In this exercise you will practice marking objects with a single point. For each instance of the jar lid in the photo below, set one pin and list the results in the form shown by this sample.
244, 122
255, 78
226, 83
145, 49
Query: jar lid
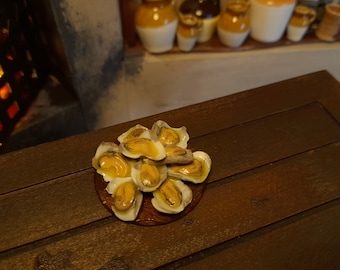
239, 6
204, 9
301, 9
191, 20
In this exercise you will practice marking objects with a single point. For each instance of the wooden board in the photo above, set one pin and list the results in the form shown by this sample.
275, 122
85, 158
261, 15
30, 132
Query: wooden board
271, 201
148, 215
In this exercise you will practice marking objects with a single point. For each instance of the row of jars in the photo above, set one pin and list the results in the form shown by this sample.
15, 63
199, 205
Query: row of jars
158, 22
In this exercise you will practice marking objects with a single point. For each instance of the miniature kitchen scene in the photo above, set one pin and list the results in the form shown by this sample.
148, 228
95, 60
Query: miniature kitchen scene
169, 134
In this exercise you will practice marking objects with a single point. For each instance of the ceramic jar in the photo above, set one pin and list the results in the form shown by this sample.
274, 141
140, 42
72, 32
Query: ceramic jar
269, 18
156, 23
206, 10
188, 30
329, 28
234, 24
300, 21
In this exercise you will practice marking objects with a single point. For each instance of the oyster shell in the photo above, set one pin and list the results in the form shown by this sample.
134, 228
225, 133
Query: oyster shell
172, 196
137, 131
142, 147
168, 135
148, 177
174, 155
127, 199
109, 163
196, 171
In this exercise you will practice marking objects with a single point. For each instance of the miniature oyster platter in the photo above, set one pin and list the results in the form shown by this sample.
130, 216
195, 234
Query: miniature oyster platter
150, 176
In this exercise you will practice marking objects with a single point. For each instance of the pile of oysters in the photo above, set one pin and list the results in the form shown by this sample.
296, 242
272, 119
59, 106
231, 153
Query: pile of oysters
155, 161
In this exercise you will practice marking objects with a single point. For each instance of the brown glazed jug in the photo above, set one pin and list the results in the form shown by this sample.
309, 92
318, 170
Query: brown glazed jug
188, 30
206, 10
234, 24
156, 23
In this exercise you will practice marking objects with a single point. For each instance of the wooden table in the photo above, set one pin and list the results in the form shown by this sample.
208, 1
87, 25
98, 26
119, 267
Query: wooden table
272, 200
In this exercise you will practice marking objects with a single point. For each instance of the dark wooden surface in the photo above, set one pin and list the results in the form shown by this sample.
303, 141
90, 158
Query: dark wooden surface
272, 200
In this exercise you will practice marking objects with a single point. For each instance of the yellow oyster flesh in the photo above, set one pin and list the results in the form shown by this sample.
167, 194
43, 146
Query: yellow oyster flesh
135, 133
196, 171
149, 175
127, 199
124, 196
168, 136
170, 194
195, 168
114, 165
174, 150
137, 147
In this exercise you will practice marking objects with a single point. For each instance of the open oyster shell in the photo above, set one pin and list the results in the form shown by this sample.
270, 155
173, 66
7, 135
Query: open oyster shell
168, 135
127, 199
142, 147
172, 196
110, 163
148, 177
174, 155
137, 131
196, 171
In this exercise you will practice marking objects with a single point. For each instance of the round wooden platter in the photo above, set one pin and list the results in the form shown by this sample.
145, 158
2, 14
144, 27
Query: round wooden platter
148, 215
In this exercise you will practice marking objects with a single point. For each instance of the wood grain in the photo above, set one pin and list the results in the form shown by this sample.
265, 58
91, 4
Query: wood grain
148, 215
237, 109
286, 245
269, 194
233, 150
272, 198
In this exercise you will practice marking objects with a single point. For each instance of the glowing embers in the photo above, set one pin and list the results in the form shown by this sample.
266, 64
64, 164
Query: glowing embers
13, 110
5, 91
11, 54
1, 71
18, 75
4, 34
1, 128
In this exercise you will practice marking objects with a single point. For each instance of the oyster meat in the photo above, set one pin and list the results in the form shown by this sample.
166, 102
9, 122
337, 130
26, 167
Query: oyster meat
168, 135
148, 177
137, 131
110, 163
196, 171
156, 161
127, 199
172, 196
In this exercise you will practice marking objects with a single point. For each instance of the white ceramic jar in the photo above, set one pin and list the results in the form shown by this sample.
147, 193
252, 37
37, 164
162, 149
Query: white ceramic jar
156, 23
206, 10
188, 30
234, 24
269, 19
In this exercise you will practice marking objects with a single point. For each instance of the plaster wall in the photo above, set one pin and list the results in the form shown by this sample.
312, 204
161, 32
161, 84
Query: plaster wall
157, 83
113, 88
92, 39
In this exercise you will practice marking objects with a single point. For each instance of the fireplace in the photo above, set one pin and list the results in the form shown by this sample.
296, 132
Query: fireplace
22, 66
31, 52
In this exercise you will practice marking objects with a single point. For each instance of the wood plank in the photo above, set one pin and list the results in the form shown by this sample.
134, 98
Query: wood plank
233, 151
214, 46
306, 241
331, 104
127, 11
73, 154
49, 208
230, 208
267, 140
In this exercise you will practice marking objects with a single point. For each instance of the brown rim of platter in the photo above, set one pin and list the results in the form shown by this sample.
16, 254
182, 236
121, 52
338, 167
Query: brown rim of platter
148, 215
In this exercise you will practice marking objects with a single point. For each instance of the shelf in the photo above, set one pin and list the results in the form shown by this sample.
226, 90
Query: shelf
133, 46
